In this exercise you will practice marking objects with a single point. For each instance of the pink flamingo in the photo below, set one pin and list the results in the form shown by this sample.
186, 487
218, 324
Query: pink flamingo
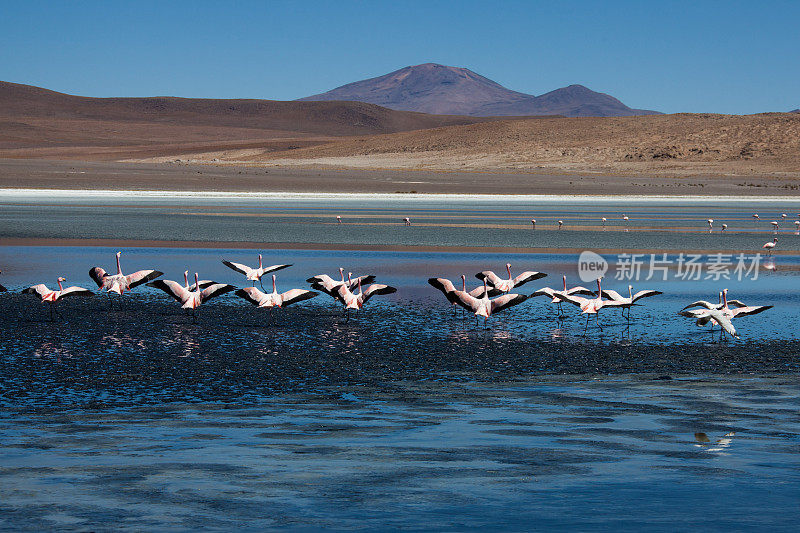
338, 219
591, 306
324, 283
533, 223
407, 221
254, 274
505, 285
53, 297
555, 295
485, 307
191, 299
629, 301
356, 301
275, 299
770, 245
724, 315
119, 283
449, 290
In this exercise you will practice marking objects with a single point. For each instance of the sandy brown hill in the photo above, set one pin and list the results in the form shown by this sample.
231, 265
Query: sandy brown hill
672, 144
57, 124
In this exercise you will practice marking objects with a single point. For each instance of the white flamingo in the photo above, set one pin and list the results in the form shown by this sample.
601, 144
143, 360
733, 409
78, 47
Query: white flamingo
770, 245
485, 307
449, 290
604, 221
560, 223
629, 301
724, 227
274, 299
718, 305
53, 297
505, 285
533, 223
191, 299
555, 294
710, 225
119, 283
407, 221
591, 306
254, 274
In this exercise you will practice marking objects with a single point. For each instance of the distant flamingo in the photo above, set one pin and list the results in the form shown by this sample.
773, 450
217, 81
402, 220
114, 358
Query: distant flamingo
254, 274
53, 297
119, 283
723, 316
770, 245
555, 295
710, 225
629, 301
533, 223
449, 290
506, 285
484, 306
407, 221
338, 219
604, 221
625, 218
274, 299
560, 223
774, 226
191, 299
797, 227
783, 216
724, 227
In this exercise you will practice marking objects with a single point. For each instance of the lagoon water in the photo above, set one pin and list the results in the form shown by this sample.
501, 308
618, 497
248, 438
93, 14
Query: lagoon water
405, 417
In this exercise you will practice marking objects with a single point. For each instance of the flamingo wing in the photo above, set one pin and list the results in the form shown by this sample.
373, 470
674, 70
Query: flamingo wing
296, 295
478, 292
752, 310
527, 276
442, 284
377, 288
544, 291
142, 276
173, 288
467, 301
612, 295
509, 300
736, 303
40, 290
490, 277
273, 268
645, 294
217, 289
723, 320
701, 303
364, 280
74, 291
321, 278
319, 286
98, 275
252, 295
203, 284
238, 267
579, 301
580, 290
693, 313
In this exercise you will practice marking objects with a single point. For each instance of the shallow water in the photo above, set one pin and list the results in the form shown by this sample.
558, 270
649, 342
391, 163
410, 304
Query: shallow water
404, 417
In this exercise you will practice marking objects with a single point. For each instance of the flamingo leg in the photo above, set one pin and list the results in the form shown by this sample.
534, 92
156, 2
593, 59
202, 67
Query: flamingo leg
597, 321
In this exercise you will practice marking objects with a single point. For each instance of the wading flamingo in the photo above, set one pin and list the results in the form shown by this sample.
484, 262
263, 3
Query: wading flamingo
485, 307
449, 290
560, 223
533, 223
407, 221
191, 299
591, 306
254, 274
324, 283
770, 245
629, 301
356, 301
724, 316
505, 285
718, 305
710, 225
604, 221
774, 226
555, 295
119, 283
338, 219
724, 227
53, 297
274, 299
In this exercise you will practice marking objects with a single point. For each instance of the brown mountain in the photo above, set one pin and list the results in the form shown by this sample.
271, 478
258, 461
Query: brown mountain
62, 125
433, 88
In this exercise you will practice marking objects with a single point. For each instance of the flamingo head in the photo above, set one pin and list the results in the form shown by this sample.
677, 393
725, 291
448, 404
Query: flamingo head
508, 267
60, 279
350, 277
775, 239
533, 221
119, 254
463, 278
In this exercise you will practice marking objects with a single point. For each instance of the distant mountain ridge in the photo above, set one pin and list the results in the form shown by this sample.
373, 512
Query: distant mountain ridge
440, 89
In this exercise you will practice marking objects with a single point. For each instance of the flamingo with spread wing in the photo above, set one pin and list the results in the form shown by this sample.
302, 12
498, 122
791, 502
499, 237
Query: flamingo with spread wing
254, 274
119, 283
53, 297
505, 285
274, 298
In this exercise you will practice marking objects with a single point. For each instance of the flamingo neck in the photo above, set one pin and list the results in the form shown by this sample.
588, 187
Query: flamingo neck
725, 298
564, 278
359, 286
119, 268
485, 290
599, 290
186, 279
259, 262
630, 292
59, 285
196, 282
273, 285
463, 284
508, 268
341, 272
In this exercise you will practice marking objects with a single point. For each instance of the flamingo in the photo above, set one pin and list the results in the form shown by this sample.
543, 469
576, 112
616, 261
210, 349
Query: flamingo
724, 227
2, 289
724, 315
119, 283
533, 223
560, 223
774, 226
274, 299
485, 306
202, 284
555, 295
505, 285
783, 216
53, 297
718, 305
338, 219
710, 225
357, 300
324, 283
630, 301
591, 306
604, 221
770, 245
407, 221
254, 274
191, 299
448, 289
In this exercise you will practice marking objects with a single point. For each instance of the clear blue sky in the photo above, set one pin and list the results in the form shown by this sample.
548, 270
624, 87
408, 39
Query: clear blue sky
722, 57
